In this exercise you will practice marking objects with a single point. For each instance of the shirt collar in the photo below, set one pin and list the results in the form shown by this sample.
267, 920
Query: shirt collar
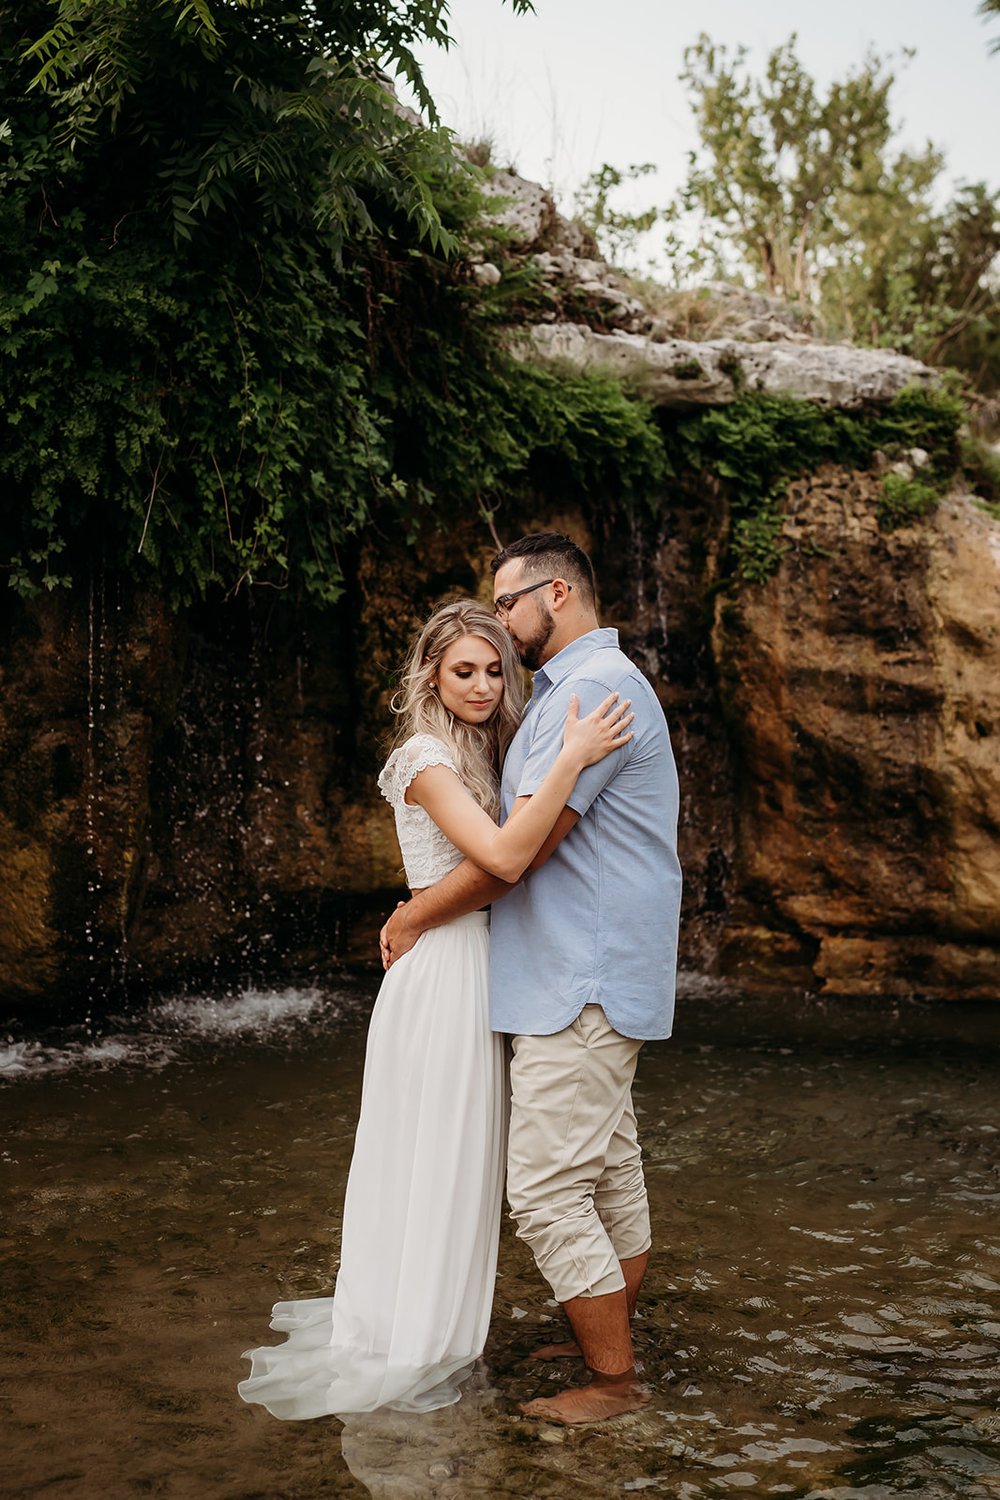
564, 661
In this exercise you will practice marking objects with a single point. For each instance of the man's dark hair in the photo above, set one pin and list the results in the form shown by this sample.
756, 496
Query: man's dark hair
550, 553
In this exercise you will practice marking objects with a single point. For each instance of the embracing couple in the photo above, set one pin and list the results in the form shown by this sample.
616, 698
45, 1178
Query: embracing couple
563, 821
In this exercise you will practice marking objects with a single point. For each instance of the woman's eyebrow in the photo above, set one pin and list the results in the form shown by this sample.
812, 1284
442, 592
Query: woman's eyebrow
456, 664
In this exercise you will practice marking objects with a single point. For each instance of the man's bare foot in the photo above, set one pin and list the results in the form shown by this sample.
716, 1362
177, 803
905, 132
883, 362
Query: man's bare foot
595, 1402
558, 1351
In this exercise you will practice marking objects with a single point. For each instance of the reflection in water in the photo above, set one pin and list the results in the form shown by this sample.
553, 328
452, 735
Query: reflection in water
821, 1317
424, 1456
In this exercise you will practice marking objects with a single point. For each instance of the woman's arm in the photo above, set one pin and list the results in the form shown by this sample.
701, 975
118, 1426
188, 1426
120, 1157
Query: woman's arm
464, 889
506, 852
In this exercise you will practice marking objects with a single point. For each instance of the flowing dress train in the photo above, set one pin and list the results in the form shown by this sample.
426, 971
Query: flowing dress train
411, 1308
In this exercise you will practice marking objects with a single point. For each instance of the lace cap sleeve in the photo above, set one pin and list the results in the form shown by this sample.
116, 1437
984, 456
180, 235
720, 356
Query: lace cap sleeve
418, 752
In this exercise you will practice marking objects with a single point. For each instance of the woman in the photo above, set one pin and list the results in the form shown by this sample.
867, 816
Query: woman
414, 1291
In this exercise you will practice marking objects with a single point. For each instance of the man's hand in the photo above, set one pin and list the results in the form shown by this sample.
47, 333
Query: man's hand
396, 937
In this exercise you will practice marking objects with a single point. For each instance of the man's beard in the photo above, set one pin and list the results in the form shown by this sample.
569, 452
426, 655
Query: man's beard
531, 648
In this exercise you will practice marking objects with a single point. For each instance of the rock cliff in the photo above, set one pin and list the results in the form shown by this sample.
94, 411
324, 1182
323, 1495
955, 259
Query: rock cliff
183, 796
861, 686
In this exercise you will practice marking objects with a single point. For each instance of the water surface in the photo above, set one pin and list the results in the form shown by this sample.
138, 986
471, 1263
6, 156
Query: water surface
821, 1316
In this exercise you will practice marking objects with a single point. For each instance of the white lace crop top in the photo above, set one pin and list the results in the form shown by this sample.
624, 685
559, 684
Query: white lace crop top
427, 853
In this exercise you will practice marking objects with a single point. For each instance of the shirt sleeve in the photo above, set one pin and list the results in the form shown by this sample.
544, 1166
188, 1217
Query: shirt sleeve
406, 763
547, 738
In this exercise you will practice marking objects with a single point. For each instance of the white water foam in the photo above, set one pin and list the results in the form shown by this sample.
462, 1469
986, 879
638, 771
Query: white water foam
693, 985
175, 1027
36, 1059
253, 1013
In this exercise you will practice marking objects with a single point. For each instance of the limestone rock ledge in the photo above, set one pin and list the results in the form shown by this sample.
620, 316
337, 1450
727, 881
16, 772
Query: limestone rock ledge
681, 373
596, 320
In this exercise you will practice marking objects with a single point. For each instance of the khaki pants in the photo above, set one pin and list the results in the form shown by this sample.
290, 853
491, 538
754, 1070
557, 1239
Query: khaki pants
574, 1169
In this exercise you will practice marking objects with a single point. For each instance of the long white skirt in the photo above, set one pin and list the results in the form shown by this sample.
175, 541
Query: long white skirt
411, 1308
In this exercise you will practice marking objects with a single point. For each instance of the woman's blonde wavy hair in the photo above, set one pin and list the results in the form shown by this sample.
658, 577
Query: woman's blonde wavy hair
478, 748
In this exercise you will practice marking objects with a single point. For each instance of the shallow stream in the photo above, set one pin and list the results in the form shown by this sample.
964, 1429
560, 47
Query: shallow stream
821, 1316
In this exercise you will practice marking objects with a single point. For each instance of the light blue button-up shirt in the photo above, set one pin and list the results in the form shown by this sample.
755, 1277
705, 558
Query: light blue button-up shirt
597, 923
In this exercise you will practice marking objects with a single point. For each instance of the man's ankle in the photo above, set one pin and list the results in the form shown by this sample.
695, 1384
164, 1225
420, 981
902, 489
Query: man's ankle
608, 1377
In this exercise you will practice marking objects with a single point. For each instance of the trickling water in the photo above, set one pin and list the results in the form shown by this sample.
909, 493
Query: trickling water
261, 808
821, 1317
93, 866
112, 652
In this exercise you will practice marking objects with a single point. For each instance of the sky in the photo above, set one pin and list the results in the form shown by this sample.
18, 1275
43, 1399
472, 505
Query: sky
583, 82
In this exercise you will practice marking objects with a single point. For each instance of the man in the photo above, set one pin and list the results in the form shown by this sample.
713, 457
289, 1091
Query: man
583, 960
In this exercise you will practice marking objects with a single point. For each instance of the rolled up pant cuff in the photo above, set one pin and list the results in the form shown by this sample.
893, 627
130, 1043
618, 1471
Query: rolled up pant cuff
628, 1249
577, 1271
629, 1231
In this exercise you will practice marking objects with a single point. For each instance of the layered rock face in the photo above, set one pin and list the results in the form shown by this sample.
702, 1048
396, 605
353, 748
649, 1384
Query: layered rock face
183, 798
861, 686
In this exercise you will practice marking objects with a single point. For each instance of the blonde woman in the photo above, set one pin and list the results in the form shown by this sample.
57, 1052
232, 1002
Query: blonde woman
411, 1308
